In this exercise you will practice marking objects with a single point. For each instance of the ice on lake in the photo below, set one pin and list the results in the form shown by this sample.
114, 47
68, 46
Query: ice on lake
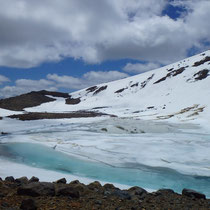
131, 152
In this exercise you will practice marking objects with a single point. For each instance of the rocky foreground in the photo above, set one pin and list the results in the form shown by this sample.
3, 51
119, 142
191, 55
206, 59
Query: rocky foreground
31, 195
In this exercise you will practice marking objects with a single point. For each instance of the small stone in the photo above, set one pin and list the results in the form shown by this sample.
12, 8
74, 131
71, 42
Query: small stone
193, 194
10, 179
122, 194
75, 182
95, 185
28, 204
137, 191
22, 180
33, 179
110, 187
61, 181
98, 202
4, 204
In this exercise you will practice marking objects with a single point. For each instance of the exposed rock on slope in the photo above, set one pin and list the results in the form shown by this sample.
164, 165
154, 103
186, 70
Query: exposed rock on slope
31, 99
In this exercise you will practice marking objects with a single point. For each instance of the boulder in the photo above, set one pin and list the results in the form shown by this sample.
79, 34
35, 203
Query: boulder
37, 189
22, 180
28, 204
138, 191
10, 179
193, 194
61, 181
33, 179
122, 194
67, 190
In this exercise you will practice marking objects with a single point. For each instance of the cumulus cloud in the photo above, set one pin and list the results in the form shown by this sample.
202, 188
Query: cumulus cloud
33, 32
139, 67
53, 82
88, 79
26, 85
3, 79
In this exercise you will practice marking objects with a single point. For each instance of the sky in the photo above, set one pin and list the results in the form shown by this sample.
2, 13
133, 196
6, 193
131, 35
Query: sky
73, 44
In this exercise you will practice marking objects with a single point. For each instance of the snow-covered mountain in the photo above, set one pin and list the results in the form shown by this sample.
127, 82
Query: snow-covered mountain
161, 135
178, 92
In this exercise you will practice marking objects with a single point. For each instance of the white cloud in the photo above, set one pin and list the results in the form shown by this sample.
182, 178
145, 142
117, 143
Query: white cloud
33, 32
26, 85
3, 79
97, 77
53, 82
139, 67
88, 79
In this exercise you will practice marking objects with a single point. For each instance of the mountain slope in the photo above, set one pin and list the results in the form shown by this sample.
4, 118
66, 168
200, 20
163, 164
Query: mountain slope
179, 91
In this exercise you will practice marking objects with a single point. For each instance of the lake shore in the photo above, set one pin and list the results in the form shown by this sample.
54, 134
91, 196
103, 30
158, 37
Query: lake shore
24, 193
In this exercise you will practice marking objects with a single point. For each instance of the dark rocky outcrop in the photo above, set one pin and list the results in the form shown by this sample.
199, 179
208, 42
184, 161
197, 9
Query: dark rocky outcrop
33, 179
45, 115
28, 204
171, 74
73, 101
120, 90
37, 189
67, 190
10, 179
193, 194
91, 89
22, 180
61, 181
34, 98
198, 63
100, 89
201, 74
75, 195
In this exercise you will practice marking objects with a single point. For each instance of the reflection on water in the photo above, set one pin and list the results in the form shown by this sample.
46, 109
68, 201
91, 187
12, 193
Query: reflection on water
40, 156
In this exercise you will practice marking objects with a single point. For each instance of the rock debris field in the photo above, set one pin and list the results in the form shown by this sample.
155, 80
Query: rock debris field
31, 194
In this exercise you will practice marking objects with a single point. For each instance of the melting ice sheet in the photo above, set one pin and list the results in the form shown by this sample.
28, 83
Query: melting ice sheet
130, 152
37, 155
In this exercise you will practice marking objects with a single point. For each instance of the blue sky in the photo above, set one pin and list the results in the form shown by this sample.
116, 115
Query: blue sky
68, 45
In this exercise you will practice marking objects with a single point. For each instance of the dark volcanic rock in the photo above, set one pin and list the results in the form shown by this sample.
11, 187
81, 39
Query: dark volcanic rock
193, 194
120, 90
67, 190
94, 196
198, 63
45, 115
22, 180
137, 191
171, 74
100, 89
37, 189
91, 89
201, 74
54, 94
28, 204
9, 179
18, 103
61, 181
122, 194
73, 101
33, 179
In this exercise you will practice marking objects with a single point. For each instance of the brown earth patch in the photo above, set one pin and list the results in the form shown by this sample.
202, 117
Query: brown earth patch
45, 115
201, 74
18, 103
171, 74
198, 63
